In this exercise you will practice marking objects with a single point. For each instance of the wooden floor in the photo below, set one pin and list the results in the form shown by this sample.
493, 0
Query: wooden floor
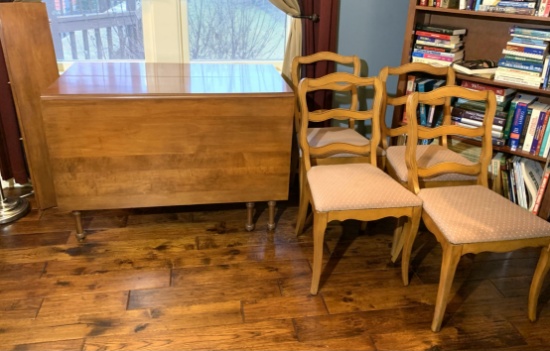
191, 278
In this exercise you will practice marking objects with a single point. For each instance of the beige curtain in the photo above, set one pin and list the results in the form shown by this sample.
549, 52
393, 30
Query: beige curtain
294, 43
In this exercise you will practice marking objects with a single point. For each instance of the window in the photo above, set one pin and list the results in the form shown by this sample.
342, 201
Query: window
168, 30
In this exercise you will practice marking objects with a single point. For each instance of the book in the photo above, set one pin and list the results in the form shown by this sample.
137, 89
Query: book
410, 88
423, 86
517, 125
528, 42
518, 79
438, 56
521, 65
520, 72
439, 43
431, 61
485, 68
520, 183
435, 48
500, 92
435, 112
508, 9
539, 56
495, 172
504, 3
460, 112
537, 107
526, 49
520, 97
440, 36
544, 8
449, 4
539, 132
530, 32
440, 29
532, 173
494, 133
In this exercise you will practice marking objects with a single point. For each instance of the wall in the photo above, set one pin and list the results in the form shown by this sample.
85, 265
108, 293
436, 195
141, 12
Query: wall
373, 30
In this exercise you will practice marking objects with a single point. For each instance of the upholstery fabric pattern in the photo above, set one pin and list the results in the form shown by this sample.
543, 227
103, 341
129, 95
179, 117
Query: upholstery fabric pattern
427, 156
466, 214
365, 186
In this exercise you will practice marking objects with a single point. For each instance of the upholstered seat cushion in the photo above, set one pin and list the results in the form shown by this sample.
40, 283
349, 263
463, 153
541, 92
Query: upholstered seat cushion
468, 214
365, 186
318, 137
427, 156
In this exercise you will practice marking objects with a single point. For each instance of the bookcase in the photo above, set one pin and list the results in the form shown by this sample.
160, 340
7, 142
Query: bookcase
487, 35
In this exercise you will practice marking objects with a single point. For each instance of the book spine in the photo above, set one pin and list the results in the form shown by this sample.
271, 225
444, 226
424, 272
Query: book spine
440, 36
514, 79
531, 129
522, 59
451, 55
517, 125
476, 116
439, 43
433, 56
433, 62
520, 73
524, 66
433, 48
535, 33
521, 4
479, 86
510, 10
525, 49
523, 54
545, 147
539, 132
442, 30
423, 3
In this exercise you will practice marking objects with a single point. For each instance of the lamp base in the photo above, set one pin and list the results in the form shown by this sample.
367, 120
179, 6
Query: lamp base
12, 209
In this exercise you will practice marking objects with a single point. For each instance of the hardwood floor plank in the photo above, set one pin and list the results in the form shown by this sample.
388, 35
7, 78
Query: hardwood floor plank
190, 294
63, 345
283, 308
20, 308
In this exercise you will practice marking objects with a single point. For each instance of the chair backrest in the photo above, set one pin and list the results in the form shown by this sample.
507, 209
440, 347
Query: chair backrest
407, 70
338, 82
417, 132
299, 62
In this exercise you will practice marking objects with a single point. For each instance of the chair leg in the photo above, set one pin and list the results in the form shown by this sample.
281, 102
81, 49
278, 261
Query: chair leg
320, 221
451, 256
303, 206
538, 278
407, 240
398, 238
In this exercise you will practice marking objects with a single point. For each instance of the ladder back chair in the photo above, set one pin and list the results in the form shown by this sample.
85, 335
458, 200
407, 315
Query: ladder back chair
320, 136
468, 218
360, 191
429, 154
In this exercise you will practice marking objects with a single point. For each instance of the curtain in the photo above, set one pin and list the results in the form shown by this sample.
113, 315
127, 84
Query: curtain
320, 36
294, 43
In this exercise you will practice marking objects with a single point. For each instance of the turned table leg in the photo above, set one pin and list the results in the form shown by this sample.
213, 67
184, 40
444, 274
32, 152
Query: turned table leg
250, 213
80, 235
271, 221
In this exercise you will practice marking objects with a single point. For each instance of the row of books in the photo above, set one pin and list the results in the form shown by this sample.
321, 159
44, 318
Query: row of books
518, 179
539, 8
438, 45
525, 59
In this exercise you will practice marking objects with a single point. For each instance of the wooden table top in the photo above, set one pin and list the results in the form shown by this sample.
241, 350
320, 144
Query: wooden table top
166, 79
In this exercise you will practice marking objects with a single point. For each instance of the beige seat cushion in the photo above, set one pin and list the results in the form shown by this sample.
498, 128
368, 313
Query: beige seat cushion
473, 213
427, 155
356, 186
318, 137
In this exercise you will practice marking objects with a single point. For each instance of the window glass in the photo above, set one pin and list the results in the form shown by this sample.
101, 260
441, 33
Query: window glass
218, 30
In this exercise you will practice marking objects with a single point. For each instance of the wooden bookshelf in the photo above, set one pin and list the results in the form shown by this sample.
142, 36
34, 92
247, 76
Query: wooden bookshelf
487, 35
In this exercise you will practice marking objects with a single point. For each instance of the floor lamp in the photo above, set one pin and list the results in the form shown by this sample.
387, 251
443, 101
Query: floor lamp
11, 209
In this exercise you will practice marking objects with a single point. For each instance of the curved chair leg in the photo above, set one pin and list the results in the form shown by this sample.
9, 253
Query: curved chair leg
407, 238
398, 238
303, 206
451, 256
538, 278
319, 225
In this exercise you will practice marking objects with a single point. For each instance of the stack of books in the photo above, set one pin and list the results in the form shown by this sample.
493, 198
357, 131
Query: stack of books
525, 58
468, 113
438, 45
519, 7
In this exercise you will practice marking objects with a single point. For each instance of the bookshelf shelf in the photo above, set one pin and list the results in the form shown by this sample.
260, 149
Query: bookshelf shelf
494, 15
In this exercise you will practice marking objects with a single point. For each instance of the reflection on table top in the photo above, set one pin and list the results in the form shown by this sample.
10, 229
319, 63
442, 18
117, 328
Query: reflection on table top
139, 78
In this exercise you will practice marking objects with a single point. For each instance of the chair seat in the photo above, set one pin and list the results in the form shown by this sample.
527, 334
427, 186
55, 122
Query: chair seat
466, 214
427, 156
365, 186
318, 137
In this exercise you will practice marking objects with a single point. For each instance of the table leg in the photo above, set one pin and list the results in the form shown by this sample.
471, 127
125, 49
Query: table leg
80, 235
250, 213
271, 221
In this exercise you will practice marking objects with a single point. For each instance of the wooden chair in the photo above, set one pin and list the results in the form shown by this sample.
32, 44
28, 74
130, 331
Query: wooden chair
468, 218
343, 191
427, 154
320, 136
